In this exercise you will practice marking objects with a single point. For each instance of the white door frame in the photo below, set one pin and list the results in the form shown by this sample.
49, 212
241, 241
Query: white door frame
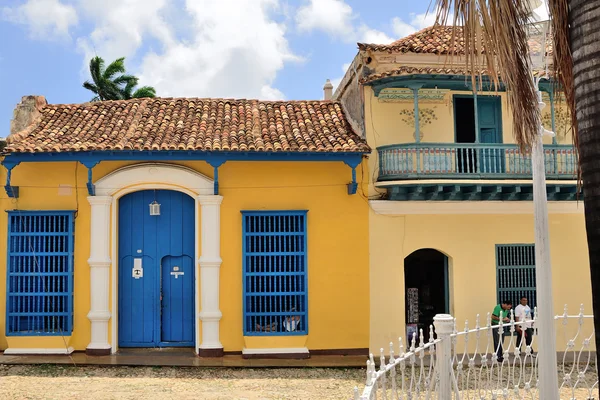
104, 230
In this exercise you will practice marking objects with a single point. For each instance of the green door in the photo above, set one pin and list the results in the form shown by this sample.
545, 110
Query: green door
490, 132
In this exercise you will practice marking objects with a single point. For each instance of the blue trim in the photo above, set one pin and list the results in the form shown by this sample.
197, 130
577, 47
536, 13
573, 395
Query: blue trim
11, 191
279, 290
215, 159
26, 270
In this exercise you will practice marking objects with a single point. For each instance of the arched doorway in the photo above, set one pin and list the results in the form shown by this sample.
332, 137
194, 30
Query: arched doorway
426, 289
156, 269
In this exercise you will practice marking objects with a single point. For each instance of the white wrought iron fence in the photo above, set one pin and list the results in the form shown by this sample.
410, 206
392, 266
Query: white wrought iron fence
467, 365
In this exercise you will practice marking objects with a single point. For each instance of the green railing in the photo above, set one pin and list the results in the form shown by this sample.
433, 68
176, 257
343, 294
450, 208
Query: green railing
471, 161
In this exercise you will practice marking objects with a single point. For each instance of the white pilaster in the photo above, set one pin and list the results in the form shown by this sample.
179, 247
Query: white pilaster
99, 262
210, 264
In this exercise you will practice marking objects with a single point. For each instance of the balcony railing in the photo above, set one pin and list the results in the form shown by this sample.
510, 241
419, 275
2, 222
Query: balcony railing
471, 161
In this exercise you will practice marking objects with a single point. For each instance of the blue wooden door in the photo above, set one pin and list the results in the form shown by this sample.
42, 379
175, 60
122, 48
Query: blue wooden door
156, 308
177, 314
490, 132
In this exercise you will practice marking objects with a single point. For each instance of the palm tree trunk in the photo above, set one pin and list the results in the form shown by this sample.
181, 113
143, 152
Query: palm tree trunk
584, 20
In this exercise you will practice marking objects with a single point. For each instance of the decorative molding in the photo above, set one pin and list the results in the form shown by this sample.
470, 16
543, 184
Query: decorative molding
212, 316
205, 200
397, 95
209, 263
99, 262
153, 173
170, 177
388, 207
18, 351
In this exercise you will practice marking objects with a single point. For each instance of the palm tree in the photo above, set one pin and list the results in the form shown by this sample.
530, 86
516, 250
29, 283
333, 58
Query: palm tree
109, 85
499, 26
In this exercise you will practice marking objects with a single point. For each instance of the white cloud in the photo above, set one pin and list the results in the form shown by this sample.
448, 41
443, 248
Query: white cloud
331, 16
337, 19
120, 27
236, 50
194, 48
416, 23
368, 35
46, 19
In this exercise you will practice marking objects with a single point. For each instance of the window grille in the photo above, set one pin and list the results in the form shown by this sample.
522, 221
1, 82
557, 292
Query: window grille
516, 273
39, 298
275, 279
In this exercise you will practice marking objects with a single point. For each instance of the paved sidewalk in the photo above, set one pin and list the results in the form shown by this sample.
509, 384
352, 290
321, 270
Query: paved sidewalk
60, 382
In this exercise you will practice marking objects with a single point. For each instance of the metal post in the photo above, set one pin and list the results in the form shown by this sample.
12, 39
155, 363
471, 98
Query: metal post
548, 378
444, 326
416, 108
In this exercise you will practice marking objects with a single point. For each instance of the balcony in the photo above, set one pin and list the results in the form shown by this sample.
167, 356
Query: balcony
471, 161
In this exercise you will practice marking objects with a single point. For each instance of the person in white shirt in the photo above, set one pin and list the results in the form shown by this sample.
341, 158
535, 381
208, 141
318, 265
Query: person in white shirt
523, 313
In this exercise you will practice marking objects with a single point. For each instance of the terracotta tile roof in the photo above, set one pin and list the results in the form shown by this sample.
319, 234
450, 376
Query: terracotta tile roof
190, 124
431, 40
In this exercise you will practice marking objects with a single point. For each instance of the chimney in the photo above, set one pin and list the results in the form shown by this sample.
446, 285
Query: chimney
328, 90
26, 112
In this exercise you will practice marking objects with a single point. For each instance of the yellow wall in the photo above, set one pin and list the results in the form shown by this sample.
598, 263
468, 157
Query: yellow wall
469, 242
384, 122
337, 244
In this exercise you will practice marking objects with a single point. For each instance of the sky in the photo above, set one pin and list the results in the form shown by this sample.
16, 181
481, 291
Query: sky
265, 49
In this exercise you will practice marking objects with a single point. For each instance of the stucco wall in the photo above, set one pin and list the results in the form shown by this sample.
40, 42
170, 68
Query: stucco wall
469, 242
338, 258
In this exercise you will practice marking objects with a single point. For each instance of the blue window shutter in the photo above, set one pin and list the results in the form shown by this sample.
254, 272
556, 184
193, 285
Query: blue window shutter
39, 295
275, 281
515, 269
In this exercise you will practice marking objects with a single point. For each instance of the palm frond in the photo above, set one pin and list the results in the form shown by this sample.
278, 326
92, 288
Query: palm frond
90, 86
96, 69
495, 37
563, 58
144, 91
117, 66
126, 79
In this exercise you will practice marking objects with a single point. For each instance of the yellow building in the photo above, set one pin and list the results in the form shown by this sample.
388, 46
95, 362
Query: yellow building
227, 226
450, 194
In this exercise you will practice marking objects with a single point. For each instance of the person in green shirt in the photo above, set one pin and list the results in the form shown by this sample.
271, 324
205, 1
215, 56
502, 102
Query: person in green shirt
501, 310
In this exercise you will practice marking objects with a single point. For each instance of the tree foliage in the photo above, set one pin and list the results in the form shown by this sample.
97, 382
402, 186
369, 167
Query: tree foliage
113, 83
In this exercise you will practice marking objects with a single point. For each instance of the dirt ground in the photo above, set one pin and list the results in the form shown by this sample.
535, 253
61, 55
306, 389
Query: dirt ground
51, 382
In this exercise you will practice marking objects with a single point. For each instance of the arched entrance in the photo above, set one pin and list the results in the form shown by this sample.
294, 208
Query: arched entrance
156, 269
104, 255
426, 289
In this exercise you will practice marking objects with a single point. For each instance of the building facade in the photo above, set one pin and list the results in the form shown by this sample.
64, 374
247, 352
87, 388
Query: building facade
450, 193
227, 226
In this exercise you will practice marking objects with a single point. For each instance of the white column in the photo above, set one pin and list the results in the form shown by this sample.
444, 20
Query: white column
444, 326
99, 262
543, 269
210, 264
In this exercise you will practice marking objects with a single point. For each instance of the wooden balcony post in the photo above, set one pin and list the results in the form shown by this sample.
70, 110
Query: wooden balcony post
415, 88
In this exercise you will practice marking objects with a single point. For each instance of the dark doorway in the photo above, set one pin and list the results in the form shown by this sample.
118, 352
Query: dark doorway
464, 110
426, 289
